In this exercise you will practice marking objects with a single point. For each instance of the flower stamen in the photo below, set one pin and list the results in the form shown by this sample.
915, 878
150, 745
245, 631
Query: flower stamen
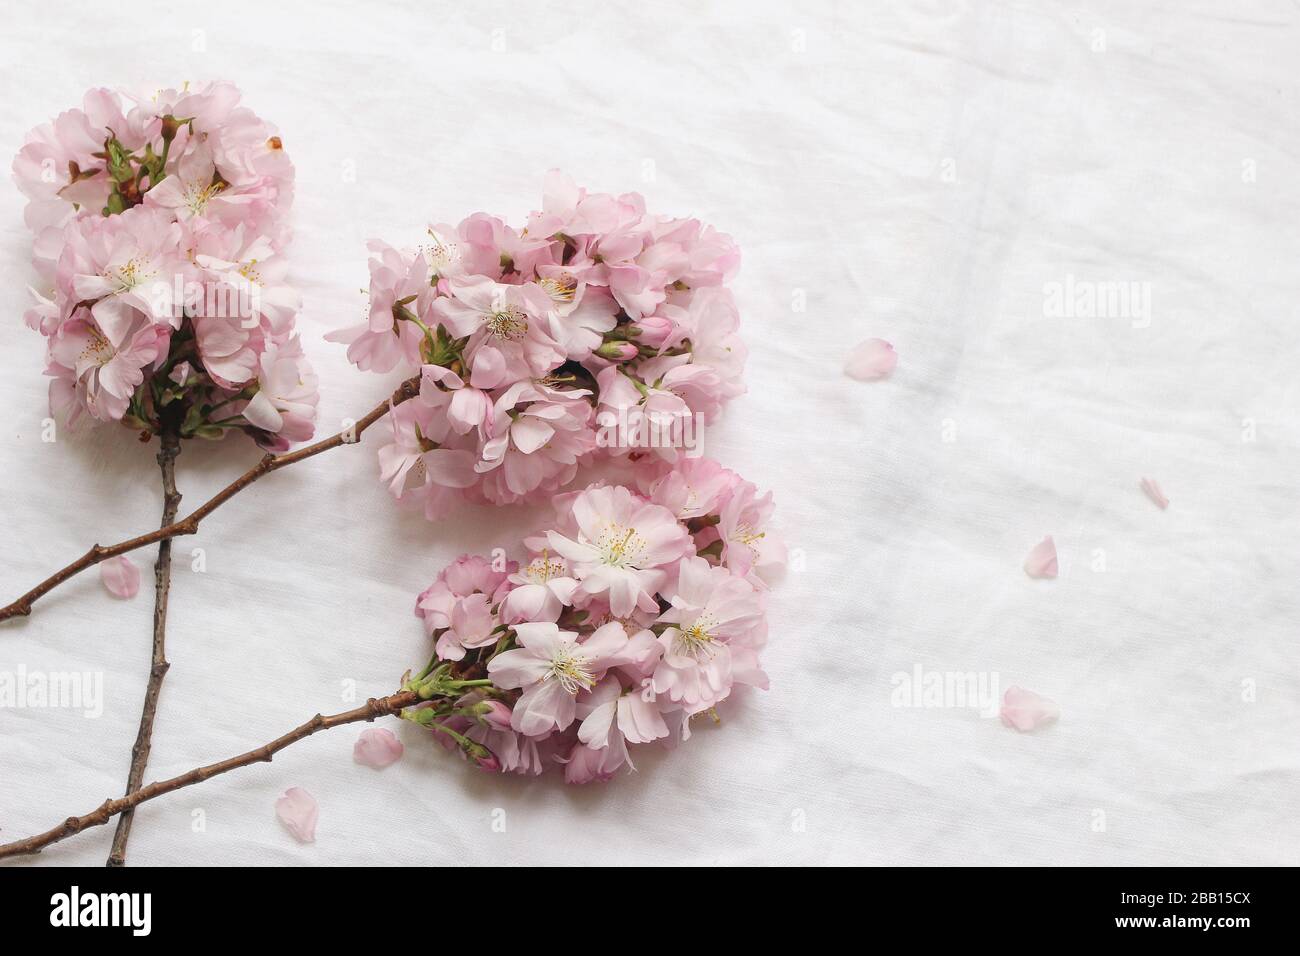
571, 670
620, 552
509, 324
696, 640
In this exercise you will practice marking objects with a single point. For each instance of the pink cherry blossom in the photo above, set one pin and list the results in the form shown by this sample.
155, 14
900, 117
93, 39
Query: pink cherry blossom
580, 315
189, 191
539, 434
508, 337
226, 349
589, 335
616, 716
472, 625
694, 488
104, 375
553, 667
285, 403
120, 576
470, 574
45, 167
160, 224
748, 543
463, 578
622, 544
585, 764
127, 266
576, 680
508, 751
247, 268
567, 208
712, 610
298, 811
544, 589
419, 458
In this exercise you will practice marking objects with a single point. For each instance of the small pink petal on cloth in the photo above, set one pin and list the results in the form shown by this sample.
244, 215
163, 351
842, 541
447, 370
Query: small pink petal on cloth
1041, 562
1154, 493
1026, 711
871, 360
120, 576
377, 748
297, 810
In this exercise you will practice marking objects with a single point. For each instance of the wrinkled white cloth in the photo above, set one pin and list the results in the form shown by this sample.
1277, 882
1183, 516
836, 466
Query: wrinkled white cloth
932, 174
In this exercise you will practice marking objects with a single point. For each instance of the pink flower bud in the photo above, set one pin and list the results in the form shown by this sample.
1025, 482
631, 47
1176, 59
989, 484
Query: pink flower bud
485, 758
495, 713
618, 351
655, 330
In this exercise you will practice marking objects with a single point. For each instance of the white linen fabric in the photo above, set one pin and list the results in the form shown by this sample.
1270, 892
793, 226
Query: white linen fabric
955, 178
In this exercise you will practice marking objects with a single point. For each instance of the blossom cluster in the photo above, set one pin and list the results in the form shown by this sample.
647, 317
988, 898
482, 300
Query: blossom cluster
597, 329
633, 612
160, 226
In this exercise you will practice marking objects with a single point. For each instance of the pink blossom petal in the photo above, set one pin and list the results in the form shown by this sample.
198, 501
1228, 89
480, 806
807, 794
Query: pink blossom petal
1154, 493
377, 748
1026, 711
120, 576
1041, 562
180, 373
871, 360
297, 810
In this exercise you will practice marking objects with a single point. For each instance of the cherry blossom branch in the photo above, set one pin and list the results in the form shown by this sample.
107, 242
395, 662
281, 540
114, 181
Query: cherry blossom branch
171, 447
190, 523
373, 708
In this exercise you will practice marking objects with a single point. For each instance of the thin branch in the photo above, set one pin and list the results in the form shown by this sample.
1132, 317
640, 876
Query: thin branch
190, 523
373, 708
171, 447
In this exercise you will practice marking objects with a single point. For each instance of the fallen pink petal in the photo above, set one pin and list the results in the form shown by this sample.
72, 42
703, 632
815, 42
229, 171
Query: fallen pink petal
1154, 493
297, 810
871, 360
120, 576
377, 748
1041, 562
1026, 711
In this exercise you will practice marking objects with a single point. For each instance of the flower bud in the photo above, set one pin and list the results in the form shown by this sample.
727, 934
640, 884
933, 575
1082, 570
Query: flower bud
423, 716
655, 330
493, 713
618, 351
485, 758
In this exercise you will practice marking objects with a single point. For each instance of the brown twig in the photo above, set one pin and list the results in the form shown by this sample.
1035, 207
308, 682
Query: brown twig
373, 708
171, 447
190, 523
